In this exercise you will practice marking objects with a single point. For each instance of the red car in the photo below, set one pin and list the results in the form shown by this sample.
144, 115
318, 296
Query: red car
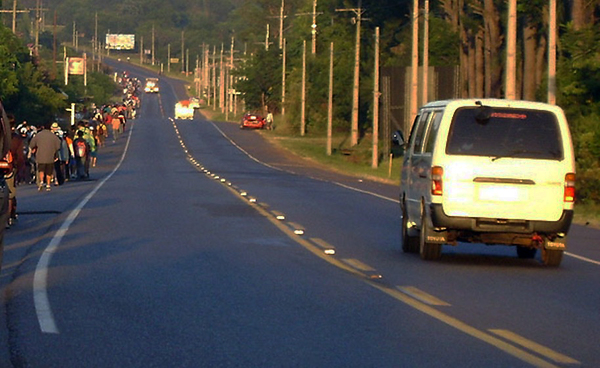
253, 121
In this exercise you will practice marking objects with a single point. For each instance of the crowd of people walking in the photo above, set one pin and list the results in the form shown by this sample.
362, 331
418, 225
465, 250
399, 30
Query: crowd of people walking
50, 155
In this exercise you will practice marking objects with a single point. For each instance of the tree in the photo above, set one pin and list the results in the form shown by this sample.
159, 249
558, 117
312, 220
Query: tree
260, 82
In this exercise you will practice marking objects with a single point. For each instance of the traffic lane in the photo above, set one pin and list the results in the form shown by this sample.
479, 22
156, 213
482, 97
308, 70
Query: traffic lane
296, 195
476, 275
263, 150
165, 266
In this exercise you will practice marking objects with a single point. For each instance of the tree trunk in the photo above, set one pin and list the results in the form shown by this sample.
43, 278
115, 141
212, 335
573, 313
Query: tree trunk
464, 64
453, 11
541, 61
529, 60
495, 39
578, 15
472, 67
479, 64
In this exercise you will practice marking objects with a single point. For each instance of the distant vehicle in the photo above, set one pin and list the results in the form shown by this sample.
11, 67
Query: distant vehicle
184, 110
151, 85
488, 171
253, 121
194, 102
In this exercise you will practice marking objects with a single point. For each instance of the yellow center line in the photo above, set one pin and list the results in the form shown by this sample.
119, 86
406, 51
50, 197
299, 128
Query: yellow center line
463, 327
358, 264
533, 346
422, 296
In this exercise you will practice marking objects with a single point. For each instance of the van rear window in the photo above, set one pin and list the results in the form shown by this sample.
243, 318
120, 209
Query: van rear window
505, 132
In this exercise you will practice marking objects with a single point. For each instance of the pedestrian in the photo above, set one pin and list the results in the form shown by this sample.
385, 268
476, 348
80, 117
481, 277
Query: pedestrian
81, 149
91, 141
101, 133
16, 158
116, 127
269, 120
93, 152
23, 175
45, 146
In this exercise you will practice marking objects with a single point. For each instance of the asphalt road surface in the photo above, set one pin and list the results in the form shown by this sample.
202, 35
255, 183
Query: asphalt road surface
197, 244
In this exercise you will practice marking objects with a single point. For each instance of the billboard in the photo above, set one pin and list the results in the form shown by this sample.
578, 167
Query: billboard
75, 66
120, 41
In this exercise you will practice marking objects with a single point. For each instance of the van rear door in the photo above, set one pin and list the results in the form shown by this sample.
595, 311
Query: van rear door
505, 163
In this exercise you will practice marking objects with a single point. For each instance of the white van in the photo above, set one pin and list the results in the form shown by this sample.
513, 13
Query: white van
488, 171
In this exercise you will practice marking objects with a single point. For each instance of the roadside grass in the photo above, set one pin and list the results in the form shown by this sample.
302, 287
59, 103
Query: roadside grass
587, 214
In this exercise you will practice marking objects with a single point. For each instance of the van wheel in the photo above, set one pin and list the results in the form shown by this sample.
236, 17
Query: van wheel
410, 244
428, 251
526, 252
552, 257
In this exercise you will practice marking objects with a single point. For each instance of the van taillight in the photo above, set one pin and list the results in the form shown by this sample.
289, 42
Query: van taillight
436, 180
569, 188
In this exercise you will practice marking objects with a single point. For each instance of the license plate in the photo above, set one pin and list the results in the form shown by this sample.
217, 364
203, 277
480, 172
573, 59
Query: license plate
501, 194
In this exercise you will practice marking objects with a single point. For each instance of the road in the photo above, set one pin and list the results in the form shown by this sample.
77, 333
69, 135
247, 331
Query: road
197, 244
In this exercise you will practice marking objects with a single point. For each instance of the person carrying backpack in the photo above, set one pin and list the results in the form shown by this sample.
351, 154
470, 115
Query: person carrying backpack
102, 133
81, 149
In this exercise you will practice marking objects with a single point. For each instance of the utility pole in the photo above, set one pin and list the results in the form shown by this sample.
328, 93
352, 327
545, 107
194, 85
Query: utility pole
303, 108
314, 28
552, 54
182, 51
330, 103
283, 78
355, 88
214, 77
376, 95
511, 48
425, 52
14, 17
414, 80
267, 38
168, 58
14, 12
95, 44
153, 43
221, 83
141, 49
38, 20
231, 91
281, 18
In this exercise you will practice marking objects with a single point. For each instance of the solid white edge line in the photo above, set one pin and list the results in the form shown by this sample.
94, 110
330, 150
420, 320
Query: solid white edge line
582, 258
40, 277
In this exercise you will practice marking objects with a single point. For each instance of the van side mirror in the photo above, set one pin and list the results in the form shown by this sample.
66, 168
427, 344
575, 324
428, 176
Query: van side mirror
398, 138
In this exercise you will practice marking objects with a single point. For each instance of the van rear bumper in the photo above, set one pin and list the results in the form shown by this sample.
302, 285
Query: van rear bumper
491, 225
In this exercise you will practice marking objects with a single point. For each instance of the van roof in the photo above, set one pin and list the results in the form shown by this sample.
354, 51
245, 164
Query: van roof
492, 102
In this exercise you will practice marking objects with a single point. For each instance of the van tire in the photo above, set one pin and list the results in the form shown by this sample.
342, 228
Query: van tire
410, 244
526, 252
552, 257
428, 251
